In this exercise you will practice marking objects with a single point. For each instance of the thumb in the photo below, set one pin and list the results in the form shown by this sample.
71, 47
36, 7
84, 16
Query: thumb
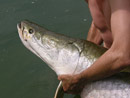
59, 78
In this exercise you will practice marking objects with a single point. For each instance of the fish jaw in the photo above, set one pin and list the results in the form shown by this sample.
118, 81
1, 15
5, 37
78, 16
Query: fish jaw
24, 39
21, 35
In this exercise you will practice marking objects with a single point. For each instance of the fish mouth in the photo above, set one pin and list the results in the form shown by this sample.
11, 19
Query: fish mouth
19, 25
20, 31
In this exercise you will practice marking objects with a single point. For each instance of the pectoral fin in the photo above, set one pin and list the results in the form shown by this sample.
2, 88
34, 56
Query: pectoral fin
59, 91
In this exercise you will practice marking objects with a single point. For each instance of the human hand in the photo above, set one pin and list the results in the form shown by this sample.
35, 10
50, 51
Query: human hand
94, 35
72, 84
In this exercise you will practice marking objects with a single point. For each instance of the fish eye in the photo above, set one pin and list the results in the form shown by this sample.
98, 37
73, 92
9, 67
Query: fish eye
30, 31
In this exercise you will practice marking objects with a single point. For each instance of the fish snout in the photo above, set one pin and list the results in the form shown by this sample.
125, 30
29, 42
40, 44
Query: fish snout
19, 25
22, 31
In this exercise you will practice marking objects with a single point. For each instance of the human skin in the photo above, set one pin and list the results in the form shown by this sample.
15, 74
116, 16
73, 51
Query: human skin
94, 35
111, 24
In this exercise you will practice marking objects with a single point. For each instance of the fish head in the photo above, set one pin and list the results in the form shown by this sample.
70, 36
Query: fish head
40, 41
54, 49
27, 30
31, 36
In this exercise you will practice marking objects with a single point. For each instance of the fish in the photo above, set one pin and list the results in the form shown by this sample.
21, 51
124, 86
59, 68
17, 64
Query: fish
68, 55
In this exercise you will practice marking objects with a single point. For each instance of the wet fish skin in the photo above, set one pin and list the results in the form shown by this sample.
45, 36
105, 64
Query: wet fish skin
50, 47
66, 55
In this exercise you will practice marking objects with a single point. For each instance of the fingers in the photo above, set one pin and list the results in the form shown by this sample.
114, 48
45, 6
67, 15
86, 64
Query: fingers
71, 84
66, 82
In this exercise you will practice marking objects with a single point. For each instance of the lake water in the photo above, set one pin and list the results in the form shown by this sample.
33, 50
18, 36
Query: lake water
22, 74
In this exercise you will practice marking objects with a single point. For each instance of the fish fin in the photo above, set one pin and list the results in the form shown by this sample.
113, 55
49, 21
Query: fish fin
59, 91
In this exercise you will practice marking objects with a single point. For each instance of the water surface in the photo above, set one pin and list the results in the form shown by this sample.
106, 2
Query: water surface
22, 74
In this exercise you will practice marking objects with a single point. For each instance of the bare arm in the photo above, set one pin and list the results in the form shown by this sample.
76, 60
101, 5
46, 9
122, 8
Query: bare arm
116, 58
94, 35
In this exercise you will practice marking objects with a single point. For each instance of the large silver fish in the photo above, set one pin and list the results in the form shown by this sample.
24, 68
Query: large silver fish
66, 55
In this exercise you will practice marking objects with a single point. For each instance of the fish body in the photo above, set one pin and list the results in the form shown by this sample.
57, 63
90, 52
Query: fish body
67, 55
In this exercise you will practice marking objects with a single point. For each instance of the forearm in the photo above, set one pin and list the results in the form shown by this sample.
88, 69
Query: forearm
106, 65
118, 56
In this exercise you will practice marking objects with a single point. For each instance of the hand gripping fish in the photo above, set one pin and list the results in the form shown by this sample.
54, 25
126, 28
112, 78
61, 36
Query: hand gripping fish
66, 55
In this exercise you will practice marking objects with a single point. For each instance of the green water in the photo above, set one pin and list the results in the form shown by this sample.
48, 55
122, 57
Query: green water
22, 74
